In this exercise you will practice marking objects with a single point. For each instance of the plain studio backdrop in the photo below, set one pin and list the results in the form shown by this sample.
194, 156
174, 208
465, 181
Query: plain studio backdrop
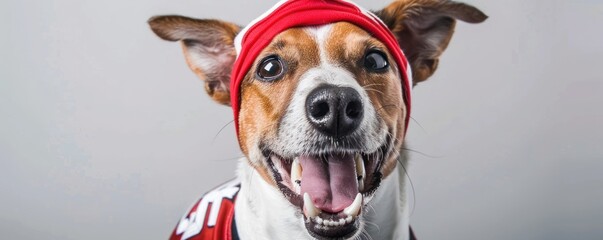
106, 134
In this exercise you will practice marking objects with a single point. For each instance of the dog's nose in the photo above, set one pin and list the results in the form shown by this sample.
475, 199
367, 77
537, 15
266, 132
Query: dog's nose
334, 111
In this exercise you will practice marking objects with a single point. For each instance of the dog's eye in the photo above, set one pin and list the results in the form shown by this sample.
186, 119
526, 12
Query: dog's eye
375, 61
271, 68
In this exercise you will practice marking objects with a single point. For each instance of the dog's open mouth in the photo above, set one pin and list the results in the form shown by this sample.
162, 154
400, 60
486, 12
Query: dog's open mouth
329, 189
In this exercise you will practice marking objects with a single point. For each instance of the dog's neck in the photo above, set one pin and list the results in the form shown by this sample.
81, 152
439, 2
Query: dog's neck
261, 212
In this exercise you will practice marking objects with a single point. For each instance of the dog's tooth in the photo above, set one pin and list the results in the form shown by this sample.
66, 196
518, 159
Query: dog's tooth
341, 221
296, 170
310, 210
349, 219
296, 173
318, 220
360, 171
354, 209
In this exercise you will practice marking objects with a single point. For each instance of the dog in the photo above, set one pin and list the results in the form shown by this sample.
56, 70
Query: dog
320, 91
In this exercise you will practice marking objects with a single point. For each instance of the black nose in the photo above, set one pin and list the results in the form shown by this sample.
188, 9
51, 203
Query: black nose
334, 111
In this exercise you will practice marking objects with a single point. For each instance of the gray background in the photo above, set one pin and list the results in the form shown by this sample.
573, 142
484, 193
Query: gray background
106, 134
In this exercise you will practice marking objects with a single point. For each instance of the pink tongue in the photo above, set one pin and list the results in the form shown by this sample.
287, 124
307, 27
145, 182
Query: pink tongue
331, 182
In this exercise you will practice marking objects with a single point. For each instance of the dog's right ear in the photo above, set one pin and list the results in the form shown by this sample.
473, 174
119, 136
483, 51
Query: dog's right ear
208, 48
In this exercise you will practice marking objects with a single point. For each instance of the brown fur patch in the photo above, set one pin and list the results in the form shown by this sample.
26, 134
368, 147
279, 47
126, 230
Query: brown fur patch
263, 104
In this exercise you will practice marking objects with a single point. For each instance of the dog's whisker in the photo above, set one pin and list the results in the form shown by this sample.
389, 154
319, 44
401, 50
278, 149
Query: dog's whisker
374, 84
413, 119
368, 235
389, 105
220, 131
371, 208
420, 153
419, 124
374, 90
363, 235
374, 225
362, 232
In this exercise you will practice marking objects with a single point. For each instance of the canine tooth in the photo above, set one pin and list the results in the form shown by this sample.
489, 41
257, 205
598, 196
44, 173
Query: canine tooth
354, 209
360, 171
311, 210
348, 219
318, 220
296, 173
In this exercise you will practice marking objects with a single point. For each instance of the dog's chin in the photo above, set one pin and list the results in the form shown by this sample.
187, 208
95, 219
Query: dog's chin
330, 221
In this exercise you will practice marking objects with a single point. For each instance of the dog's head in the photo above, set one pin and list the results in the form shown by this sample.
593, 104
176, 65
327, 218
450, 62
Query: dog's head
322, 111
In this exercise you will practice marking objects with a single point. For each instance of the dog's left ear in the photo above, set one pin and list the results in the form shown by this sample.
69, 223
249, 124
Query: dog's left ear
424, 28
208, 46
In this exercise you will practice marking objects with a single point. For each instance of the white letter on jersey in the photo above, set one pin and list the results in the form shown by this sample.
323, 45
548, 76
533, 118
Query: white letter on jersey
192, 224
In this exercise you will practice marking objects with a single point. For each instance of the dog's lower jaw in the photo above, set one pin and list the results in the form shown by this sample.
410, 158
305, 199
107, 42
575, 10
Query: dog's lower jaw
263, 213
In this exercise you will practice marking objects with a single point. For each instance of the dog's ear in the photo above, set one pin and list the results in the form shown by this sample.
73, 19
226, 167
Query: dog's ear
424, 28
208, 48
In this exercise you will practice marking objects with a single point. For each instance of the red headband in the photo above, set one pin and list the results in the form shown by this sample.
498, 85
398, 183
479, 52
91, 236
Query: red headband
300, 13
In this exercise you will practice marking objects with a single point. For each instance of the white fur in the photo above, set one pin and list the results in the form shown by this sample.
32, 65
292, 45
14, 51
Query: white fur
388, 214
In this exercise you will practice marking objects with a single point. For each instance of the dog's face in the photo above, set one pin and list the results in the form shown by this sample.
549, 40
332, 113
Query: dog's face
321, 118
322, 114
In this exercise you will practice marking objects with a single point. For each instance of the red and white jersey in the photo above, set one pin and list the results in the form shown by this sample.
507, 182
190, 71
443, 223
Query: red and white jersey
212, 217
